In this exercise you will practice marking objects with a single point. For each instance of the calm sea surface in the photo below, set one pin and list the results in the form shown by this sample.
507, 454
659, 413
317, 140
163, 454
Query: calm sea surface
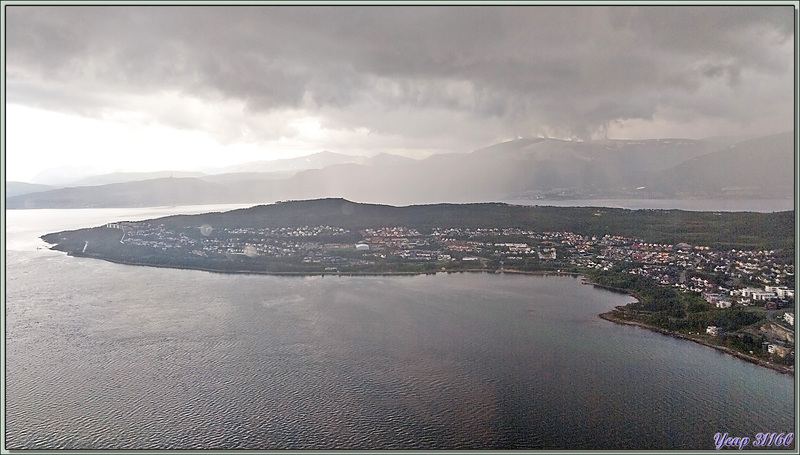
108, 356
692, 205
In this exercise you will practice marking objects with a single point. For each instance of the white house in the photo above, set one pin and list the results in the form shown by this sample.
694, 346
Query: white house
763, 295
780, 291
755, 293
789, 317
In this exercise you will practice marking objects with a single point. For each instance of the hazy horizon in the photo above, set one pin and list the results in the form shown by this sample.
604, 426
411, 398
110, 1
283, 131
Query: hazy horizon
67, 174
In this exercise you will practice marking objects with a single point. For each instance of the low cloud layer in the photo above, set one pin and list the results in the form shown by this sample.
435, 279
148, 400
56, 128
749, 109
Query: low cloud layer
423, 77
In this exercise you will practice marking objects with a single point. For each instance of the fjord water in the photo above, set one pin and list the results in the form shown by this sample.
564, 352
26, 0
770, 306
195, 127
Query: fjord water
108, 356
691, 205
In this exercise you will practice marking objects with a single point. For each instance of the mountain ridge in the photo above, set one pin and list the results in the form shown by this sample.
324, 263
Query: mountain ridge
531, 168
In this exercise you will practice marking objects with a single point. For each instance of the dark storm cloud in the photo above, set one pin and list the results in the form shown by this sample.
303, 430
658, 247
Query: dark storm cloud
572, 69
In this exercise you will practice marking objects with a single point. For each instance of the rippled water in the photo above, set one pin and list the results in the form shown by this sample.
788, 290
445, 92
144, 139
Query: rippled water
108, 356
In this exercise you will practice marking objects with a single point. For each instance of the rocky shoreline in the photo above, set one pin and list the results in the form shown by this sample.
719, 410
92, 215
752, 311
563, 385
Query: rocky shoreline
612, 316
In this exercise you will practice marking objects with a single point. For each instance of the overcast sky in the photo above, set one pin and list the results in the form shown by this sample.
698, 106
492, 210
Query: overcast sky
188, 87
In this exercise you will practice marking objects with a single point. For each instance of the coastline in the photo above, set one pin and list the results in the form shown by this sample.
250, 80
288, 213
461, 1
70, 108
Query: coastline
608, 316
612, 317
258, 272
322, 273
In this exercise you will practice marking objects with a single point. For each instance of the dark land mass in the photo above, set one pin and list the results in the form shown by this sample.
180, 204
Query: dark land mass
670, 260
721, 230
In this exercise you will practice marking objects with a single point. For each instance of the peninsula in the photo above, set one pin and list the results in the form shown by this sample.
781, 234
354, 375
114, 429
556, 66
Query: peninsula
722, 279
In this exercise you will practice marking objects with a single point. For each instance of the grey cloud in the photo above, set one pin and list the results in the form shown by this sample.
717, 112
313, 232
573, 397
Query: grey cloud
732, 72
574, 69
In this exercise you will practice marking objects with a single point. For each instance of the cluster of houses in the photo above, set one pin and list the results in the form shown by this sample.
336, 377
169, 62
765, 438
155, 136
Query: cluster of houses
274, 242
686, 267
771, 297
717, 275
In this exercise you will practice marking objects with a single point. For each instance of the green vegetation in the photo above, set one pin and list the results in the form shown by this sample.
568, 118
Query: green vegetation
725, 230
687, 314
669, 309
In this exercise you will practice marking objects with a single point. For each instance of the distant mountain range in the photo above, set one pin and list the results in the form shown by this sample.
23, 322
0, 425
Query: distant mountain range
521, 169
762, 166
17, 188
121, 177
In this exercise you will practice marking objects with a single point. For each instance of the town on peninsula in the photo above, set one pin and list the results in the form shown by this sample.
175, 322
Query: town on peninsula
723, 279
